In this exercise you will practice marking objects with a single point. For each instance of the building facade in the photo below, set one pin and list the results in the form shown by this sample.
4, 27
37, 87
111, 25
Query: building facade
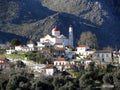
56, 37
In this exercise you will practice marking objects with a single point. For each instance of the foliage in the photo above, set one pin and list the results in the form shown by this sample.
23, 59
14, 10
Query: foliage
20, 79
20, 64
91, 66
36, 57
108, 78
15, 42
19, 56
85, 80
89, 39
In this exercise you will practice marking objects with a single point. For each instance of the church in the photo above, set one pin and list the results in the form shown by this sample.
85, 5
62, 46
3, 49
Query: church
57, 38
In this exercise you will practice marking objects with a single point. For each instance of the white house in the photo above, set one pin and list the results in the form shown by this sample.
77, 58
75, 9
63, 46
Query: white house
83, 51
58, 45
40, 46
119, 58
63, 64
49, 70
29, 47
37, 67
105, 56
18, 48
10, 51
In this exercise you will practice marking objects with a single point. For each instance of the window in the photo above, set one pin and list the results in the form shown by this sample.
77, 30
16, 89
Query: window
106, 55
97, 55
102, 55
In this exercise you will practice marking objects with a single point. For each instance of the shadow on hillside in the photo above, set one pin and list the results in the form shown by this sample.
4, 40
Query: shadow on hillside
7, 37
31, 11
64, 20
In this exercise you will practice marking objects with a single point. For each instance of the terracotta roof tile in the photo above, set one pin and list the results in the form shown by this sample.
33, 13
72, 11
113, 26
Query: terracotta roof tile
103, 51
49, 67
2, 58
58, 44
55, 29
46, 49
60, 59
4, 63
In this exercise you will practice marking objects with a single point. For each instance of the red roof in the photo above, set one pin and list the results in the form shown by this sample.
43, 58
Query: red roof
58, 43
55, 29
103, 51
4, 63
60, 59
49, 67
46, 49
2, 58
60, 49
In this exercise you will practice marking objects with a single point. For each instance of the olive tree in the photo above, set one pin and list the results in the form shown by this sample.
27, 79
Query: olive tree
89, 39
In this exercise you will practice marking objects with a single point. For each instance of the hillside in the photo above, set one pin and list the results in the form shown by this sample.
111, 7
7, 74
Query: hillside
31, 19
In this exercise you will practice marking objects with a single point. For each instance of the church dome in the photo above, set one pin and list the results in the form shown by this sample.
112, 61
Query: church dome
55, 29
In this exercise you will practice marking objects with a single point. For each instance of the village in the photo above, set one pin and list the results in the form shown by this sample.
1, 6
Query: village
56, 53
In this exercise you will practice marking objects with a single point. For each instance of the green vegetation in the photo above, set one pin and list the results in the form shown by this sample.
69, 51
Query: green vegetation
84, 80
15, 42
19, 56
36, 57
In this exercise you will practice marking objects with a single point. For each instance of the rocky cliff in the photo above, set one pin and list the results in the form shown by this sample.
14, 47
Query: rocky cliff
31, 19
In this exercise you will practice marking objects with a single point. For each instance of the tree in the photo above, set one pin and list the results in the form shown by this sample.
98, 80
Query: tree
108, 78
37, 57
20, 64
86, 80
89, 39
15, 42
91, 66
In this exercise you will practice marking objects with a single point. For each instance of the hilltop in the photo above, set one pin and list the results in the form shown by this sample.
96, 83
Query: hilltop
32, 19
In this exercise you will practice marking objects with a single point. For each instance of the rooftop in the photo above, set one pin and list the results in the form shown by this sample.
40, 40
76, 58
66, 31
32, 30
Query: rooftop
49, 67
60, 59
103, 51
55, 29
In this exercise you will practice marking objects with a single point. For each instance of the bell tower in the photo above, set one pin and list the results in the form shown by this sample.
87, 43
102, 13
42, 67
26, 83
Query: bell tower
71, 36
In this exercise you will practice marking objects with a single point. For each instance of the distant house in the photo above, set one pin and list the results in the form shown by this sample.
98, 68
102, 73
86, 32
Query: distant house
59, 51
63, 64
37, 68
10, 51
4, 63
83, 51
119, 58
18, 48
46, 52
29, 47
86, 62
105, 56
49, 70
58, 45
40, 46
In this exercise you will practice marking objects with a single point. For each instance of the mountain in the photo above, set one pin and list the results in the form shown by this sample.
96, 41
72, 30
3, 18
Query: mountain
32, 19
